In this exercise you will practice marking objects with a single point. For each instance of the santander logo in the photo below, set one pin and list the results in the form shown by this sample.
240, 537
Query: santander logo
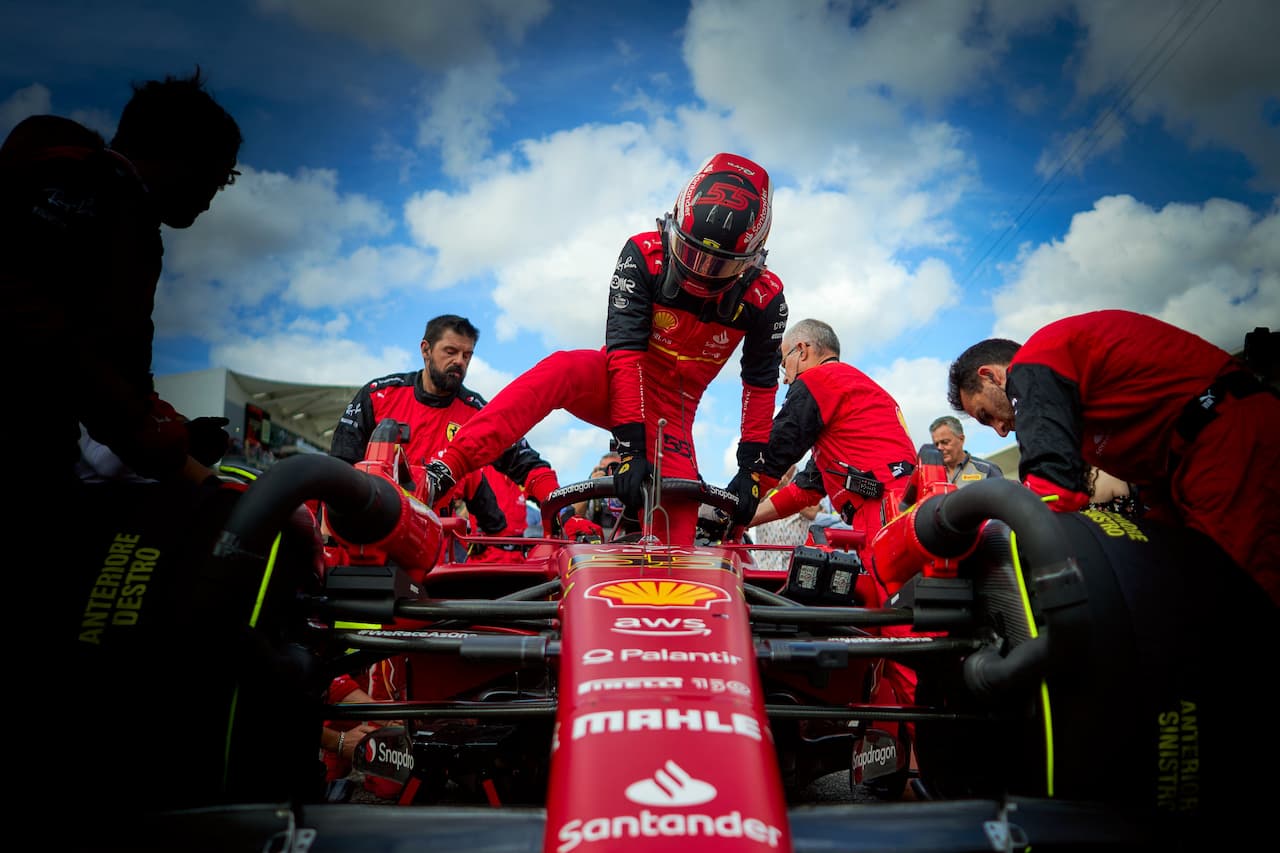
670, 785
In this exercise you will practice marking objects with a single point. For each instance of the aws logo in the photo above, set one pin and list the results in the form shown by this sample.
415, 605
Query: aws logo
657, 593
664, 320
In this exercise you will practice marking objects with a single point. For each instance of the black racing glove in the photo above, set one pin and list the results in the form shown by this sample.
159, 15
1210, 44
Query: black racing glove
633, 468
439, 481
749, 483
746, 485
207, 441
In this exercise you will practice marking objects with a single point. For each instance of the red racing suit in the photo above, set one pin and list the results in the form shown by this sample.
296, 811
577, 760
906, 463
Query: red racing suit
433, 421
1162, 408
662, 349
849, 420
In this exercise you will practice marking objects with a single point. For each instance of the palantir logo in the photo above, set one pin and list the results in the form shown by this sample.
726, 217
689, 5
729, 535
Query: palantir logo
671, 786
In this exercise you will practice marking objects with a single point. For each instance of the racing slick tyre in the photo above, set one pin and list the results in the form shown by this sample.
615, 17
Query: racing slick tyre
1141, 702
173, 693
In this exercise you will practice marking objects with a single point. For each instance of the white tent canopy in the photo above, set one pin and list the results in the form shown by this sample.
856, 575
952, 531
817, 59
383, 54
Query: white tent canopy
308, 411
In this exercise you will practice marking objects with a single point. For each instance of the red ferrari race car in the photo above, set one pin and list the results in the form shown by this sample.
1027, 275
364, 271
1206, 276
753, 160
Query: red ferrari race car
632, 695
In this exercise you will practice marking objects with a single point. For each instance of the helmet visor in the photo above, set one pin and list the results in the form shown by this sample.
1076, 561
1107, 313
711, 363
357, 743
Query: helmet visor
708, 264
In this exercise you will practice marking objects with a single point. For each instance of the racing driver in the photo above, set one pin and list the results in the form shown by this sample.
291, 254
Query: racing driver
681, 299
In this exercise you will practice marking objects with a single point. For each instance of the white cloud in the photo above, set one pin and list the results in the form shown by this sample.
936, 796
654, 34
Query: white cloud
461, 113
28, 101
257, 236
1213, 269
291, 357
550, 229
919, 385
436, 34
1207, 70
368, 273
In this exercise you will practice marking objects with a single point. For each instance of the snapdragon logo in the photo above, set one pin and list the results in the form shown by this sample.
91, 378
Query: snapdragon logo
386, 752
876, 755
670, 785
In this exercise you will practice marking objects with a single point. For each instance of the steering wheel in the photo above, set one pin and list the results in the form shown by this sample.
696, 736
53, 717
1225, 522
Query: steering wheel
679, 488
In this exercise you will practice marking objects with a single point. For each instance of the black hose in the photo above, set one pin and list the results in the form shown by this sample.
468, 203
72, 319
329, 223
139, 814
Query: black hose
987, 673
361, 508
948, 526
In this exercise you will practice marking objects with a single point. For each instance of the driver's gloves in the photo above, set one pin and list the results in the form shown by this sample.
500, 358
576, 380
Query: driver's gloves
439, 481
633, 469
746, 486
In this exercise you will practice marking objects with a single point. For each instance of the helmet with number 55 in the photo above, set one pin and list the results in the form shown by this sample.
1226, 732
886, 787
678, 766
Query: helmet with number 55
719, 225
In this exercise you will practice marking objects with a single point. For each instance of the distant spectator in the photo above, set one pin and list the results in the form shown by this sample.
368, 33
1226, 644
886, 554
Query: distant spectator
963, 467
533, 520
604, 512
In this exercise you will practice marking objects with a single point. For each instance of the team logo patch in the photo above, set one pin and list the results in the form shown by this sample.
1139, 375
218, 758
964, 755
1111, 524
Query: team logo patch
654, 593
664, 320
451, 430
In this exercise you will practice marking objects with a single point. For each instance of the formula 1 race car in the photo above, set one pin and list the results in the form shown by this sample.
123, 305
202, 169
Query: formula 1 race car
630, 695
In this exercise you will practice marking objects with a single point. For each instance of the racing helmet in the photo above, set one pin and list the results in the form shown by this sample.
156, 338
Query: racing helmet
719, 225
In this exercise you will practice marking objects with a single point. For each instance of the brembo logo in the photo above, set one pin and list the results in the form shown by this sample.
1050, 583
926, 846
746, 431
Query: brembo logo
671, 786
650, 593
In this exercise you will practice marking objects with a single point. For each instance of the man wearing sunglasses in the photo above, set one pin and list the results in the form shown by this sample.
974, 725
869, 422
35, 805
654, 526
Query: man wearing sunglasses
862, 453
681, 300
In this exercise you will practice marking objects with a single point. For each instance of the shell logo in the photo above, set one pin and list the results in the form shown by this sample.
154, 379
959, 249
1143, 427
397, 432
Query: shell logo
651, 593
664, 320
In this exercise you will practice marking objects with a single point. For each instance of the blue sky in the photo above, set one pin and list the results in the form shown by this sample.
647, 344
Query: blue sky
944, 171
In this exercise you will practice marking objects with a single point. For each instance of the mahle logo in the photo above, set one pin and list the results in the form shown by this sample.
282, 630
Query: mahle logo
654, 593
